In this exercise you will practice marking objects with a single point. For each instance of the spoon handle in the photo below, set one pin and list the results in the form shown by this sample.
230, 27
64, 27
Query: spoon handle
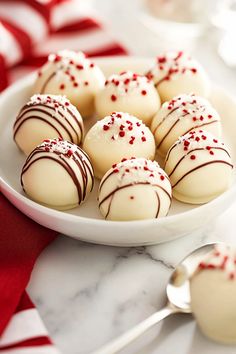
126, 338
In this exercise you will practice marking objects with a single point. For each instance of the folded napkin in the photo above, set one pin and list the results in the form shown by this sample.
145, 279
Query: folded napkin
21, 242
29, 31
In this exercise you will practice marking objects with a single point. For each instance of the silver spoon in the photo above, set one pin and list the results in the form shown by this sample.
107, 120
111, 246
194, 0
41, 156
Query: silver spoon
178, 300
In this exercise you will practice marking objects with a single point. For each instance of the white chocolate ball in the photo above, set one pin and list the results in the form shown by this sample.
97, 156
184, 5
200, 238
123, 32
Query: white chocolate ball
115, 137
47, 116
180, 115
199, 167
57, 174
213, 294
176, 73
131, 93
135, 189
72, 74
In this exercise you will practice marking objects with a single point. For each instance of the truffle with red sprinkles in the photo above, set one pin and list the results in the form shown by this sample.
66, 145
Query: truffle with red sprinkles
134, 189
116, 136
213, 293
47, 116
131, 93
175, 73
57, 174
199, 167
180, 115
72, 74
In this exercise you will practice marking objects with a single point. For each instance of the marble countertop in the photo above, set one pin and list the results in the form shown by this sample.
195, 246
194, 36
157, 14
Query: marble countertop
89, 294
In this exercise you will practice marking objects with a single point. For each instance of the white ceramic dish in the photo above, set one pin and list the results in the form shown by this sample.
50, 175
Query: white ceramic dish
85, 222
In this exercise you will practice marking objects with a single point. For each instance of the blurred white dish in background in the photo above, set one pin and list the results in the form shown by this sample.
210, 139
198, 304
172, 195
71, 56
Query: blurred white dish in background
85, 222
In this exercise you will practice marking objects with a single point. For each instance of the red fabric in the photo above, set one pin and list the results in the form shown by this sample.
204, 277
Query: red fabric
21, 242
3, 74
44, 340
22, 38
43, 9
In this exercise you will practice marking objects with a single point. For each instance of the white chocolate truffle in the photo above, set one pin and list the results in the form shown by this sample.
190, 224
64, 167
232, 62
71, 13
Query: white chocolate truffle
47, 116
115, 137
180, 115
175, 73
72, 74
199, 167
135, 189
57, 174
131, 93
213, 294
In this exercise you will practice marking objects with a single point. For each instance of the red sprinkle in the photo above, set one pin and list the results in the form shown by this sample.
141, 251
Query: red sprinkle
143, 92
121, 134
91, 65
192, 157
116, 170
162, 178
194, 70
143, 138
113, 97
75, 84
131, 197
212, 152
105, 127
186, 143
80, 67
62, 86
69, 153
161, 60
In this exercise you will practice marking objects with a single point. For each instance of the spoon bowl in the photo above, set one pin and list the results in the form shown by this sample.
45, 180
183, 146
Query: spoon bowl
177, 290
178, 299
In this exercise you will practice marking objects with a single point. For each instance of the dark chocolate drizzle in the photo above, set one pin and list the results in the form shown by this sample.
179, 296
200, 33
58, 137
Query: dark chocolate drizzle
111, 194
193, 150
47, 82
21, 119
200, 166
159, 205
84, 167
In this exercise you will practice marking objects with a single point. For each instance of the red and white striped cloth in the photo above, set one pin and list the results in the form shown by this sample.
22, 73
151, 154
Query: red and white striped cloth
29, 31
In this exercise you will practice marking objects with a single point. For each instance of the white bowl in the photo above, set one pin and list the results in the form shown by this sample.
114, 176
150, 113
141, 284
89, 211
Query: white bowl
85, 222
